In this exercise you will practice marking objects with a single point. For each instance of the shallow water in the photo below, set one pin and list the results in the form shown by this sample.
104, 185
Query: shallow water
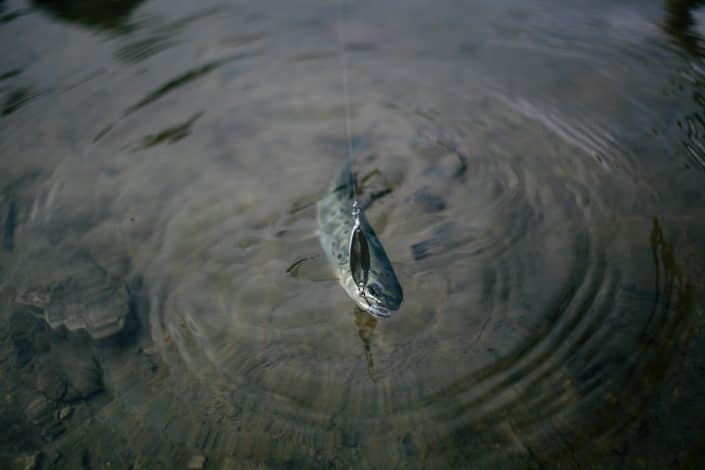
160, 164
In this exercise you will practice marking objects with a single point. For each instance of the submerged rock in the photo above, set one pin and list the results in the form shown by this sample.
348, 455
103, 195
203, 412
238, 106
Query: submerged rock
37, 298
41, 413
97, 306
90, 301
32, 461
28, 335
64, 413
29, 462
51, 381
68, 375
84, 380
197, 462
78, 286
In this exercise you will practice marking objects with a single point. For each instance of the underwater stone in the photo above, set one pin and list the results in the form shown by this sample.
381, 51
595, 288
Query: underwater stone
197, 462
40, 411
97, 306
51, 381
28, 336
32, 461
71, 288
68, 374
84, 379
64, 413
29, 462
35, 297
53, 431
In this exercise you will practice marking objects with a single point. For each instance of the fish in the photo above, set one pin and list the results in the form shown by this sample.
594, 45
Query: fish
354, 251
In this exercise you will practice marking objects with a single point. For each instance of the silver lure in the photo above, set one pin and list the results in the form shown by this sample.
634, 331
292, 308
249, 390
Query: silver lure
355, 252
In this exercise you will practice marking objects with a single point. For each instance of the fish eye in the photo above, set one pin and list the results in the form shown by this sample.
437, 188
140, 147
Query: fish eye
374, 289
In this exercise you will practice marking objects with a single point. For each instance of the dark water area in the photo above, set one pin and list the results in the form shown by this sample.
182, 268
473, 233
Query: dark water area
535, 170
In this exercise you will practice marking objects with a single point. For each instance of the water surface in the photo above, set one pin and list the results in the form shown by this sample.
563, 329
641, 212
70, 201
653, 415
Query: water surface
541, 169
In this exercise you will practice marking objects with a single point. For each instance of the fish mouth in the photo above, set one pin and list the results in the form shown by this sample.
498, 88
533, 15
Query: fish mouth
379, 311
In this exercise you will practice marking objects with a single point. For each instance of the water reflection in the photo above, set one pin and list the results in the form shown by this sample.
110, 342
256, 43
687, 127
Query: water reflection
680, 24
169, 135
10, 74
154, 36
16, 99
102, 14
179, 81
12, 15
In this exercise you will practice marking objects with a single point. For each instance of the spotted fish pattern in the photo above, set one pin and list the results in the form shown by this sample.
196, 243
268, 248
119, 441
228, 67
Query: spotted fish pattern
380, 293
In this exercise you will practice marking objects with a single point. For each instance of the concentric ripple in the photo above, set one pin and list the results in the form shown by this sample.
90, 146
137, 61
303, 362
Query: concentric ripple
522, 178
523, 306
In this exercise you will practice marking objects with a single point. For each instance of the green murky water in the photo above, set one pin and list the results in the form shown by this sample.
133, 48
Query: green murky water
163, 298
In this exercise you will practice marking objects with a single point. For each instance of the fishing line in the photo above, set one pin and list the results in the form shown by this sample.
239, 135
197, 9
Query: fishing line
344, 81
358, 249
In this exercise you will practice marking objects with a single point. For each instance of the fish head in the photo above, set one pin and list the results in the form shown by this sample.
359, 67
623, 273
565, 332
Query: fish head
383, 295
377, 288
